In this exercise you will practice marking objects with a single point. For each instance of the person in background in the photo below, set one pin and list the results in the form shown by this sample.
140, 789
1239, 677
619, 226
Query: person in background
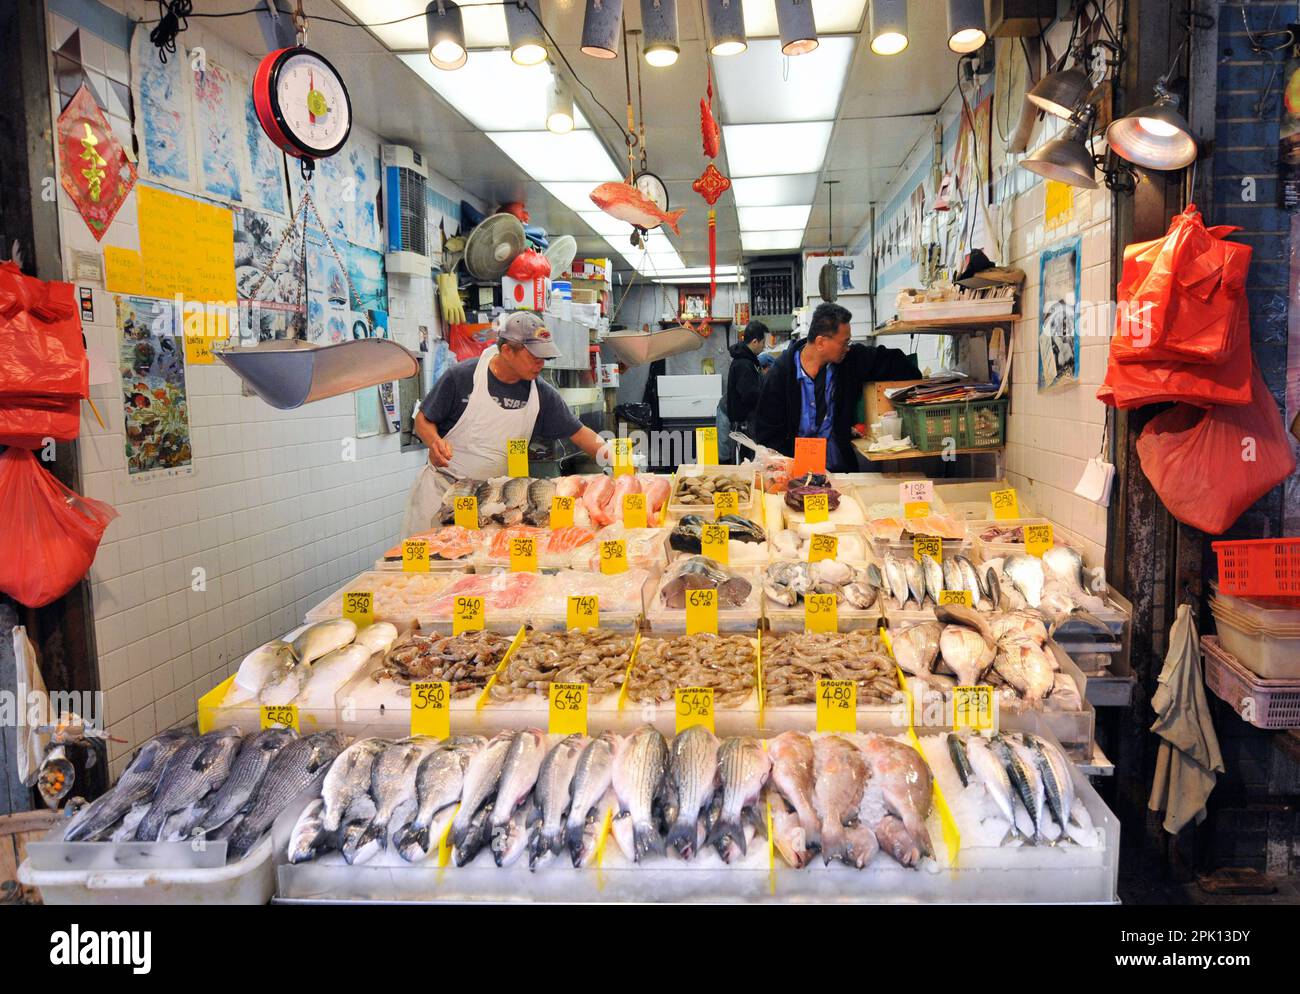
744, 385
812, 388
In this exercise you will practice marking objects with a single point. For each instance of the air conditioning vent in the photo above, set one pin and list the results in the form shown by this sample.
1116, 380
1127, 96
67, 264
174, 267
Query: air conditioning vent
406, 183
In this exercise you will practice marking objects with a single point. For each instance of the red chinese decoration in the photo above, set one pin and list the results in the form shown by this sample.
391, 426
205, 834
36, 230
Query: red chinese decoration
711, 185
93, 168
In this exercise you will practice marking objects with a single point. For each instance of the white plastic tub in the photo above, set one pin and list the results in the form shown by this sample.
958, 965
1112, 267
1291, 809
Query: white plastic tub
1267, 654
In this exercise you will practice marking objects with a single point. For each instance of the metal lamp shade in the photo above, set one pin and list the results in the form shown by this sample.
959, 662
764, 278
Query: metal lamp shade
559, 108
524, 27
726, 20
446, 34
888, 26
966, 28
1156, 136
1065, 159
798, 30
659, 24
1059, 93
601, 26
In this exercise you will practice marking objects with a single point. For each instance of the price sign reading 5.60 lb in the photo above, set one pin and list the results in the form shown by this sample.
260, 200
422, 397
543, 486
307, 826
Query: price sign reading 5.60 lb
962, 597
613, 556
713, 542
694, 707
823, 547
820, 613
467, 615
280, 716
568, 710
701, 612
973, 708
706, 445
466, 511
1005, 504
726, 502
415, 556
584, 611
517, 457
523, 554
837, 706
1038, 539
927, 545
359, 607
431, 708
816, 508
561, 513
634, 513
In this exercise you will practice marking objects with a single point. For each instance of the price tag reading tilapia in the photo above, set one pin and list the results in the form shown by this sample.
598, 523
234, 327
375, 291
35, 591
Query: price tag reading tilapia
973, 708
568, 709
837, 706
280, 716
415, 556
706, 445
823, 547
820, 613
467, 512
1038, 539
816, 508
561, 513
431, 708
701, 612
962, 597
583, 611
634, 512
694, 705
714, 539
613, 556
517, 457
726, 502
927, 545
523, 554
467, 614
1006, 505
359, 607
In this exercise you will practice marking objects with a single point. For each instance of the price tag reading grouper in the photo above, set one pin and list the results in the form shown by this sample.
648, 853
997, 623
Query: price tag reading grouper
694, 707
823, 547
467, 512
613, 556
523, 554
713, 542
467, 614
415, 556
927, 545
1006, 505
584, 611
561, 513
431, 708
973, 708
837, 706
517, 457
701, 612
280, 716
634, 512
359, 607
820, 613
568, 709
816, 508
1038, 539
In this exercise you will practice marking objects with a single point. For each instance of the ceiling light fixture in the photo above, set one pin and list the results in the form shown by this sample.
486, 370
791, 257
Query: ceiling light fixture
726, 21
1059, 93
601, 25
966, 30
1156, 136
888, 26
559, 108
524, 26
1067, 158
798, 31
659, 23
446, 34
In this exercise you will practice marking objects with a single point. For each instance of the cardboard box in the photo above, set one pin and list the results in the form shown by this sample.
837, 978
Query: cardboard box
875, 402
525, 295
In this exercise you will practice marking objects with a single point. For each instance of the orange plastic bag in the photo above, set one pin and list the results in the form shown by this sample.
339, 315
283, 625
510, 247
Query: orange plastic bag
42, 353
1210, 466
51, 533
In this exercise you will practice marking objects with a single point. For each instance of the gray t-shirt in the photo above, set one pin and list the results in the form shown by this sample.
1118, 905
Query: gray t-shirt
450, 396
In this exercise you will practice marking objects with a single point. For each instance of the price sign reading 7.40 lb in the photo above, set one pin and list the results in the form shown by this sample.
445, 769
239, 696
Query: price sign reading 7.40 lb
431, 708
517, 457
359, 607
1006, 505
837, 706
927, 545
280, 716
561, 513
1038, 539
467, 614
584, 611
974, 708
634, 513
613, 556
523, 554
466, 509
726, 502
415, 556
568, 709
714, 539
694, 707
816, 508
823, 547
701, 612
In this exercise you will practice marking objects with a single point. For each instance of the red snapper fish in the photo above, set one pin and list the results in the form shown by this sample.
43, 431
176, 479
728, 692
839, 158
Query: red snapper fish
629, 204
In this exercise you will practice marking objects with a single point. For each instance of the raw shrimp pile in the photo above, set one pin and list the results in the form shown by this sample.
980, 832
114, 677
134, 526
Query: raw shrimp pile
726, 663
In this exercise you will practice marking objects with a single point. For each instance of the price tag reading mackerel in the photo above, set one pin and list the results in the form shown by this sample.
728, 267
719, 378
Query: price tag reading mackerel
1038, 539
701, 612
431, 708
467, 614
280, 716
568, 709
837, 706
820, 613
634, 513
561, 513
714, 539
517, 457
622, 456
916, 491
359, 607
583, 612
1006, 505
816, 508
823, 547
694, 707
726, 502
927, 545
613, 556
973, 708
706, 445
962, 597
523, 554
916, 509
415, 556
466, 512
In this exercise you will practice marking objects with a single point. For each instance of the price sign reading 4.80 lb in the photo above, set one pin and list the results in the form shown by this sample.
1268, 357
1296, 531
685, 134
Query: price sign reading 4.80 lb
280, 716
1038, 539
584, 611
701, 612
823, 547
962, 597
561, 513
694, 707
415, 556
613, 556
816, 508
634, 512
1005, 504
466, 512
706, 445
467, 615
359, 607
973, 708
927, 545
726, 502
523, 554
431, 708
714, 539
568, 709
837, 706
820, 613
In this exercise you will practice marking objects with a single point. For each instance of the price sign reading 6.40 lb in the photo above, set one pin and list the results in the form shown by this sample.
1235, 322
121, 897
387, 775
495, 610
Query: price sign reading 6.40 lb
1038, 539
584, 611
973, 708
622, 456
613, 556
568, 709
517, 457
280, 716
816, 508
415, 556
823, 547
837, 706
431, 708
467, 615
927, 545
694, 707
466, 511
523, 554
820, 613
561, 513
701, 612
359, 607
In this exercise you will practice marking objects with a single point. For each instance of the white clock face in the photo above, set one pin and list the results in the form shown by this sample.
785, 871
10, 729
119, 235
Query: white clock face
652, 188
313, 103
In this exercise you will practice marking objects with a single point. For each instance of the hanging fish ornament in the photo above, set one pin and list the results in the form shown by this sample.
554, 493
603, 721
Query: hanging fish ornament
627, 203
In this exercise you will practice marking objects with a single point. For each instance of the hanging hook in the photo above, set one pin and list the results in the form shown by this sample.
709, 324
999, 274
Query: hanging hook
300, 23
307, 167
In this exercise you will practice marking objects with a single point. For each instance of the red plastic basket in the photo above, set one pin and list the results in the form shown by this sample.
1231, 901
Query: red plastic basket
1260, 567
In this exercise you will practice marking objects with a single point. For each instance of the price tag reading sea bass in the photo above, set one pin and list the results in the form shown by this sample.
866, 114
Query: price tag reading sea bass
613, 556
973, 708
622, 456
634, 512
561, 513
584, 611
431, 708
714, 539
820, 613
1038, 539
837, 706
517, 457
467, 614
701, 612
927, 545
706, 445
726, 502
962, 597
415, 556
1006, 505
523, 554
694, 707
359, 607
280, 716
568, 709
467, 512
816, 508
916, 509
823, 547
913, 491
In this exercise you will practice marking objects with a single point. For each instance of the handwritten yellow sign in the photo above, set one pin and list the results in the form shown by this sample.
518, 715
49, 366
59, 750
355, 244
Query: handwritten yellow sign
517, 457
568, 709
972, 707
927, 545
701, 612
561, 513
816, 508
415, 556
613, 556
622, 456
634, 512
280, 716
467, 614
466, 509
706, 444
1038, 539
187, 247
694, 707
1006, 505
916, 509
523, 554
955, 597
431, 708
726, 502
583, 611
123, 270
837, 706
714, 542
820, 613
359, 607
823, 546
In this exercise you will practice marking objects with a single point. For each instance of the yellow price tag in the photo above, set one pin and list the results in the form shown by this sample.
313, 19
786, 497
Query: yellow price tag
726, 502
622, 456
584, 611
916, 509
431, 708
280, 715
816, 508
823, 547
820, 613
973, 707
837, 706
1006, 505
1038, 539
517, 457
955, 597
523, 554
634, 512
613, 556
706, 445
467, 512
198, 350
415, 556
701, 612
694, 706
359, 607
927, 545
568, 707
561, 512
467, 615
713, 542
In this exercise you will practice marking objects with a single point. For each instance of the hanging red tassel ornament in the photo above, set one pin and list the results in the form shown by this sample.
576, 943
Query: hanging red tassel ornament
711, 185
713, 256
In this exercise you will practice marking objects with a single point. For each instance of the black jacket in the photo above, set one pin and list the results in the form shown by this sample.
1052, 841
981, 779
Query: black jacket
777, 423
744, 384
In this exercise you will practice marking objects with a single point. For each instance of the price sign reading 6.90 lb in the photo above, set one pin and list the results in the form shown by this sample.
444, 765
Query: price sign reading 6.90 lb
837, 706
431, 708
694, 707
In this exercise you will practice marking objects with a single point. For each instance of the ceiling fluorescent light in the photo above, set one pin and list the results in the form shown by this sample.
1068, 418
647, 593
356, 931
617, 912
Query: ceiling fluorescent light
492, 92
774, 191
606, 226
673, 278
575, 196
763, 241
763, 86
776, 149
578, 156
773, 218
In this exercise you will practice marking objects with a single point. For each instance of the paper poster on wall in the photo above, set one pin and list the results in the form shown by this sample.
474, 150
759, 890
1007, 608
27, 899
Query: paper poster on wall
216, 97
1058, 315
369, 412
363, 168
1058, 204
329, 305
1288, 188
162, 111
154, 400
345, 190
369, 278
388, 394
279, 309
265, 161
123, 270
187, 247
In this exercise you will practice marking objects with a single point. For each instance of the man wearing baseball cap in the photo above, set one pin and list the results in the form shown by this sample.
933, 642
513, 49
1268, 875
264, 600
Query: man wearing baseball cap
479, 404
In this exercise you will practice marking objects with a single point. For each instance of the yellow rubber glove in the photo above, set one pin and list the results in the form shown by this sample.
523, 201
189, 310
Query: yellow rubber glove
453, 310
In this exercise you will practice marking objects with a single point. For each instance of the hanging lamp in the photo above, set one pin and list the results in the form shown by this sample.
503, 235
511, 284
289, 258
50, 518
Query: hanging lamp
794, 18
966, 29
524, 28
446, 34
726, 23
1156, 136
1067, 158
601, 25
659, 25
888, 21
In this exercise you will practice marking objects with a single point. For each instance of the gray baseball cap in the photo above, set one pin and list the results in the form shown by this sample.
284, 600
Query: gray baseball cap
527, 329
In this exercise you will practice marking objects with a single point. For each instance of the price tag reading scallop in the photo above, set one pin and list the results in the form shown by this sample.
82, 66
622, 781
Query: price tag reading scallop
467, 614
568, 707
694, 707
962, 597
415, 556
726, 502
927, 545
972, 707
916, 509
816, 508
431, 708
916, 491
280, 716
714, 539
837, 706
523, 554
584, 611
823, 547
613, 556
820, 613
517, 457
706, 446
809, 457
701, 612
1006, 505
1038, 539
622, 456
634, 513
561, 512
359, 607
467, 512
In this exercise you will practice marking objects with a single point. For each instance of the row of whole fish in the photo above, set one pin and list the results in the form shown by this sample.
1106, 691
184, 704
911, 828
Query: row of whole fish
504, 500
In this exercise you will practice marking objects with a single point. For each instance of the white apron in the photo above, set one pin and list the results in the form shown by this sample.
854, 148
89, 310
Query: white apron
478, 447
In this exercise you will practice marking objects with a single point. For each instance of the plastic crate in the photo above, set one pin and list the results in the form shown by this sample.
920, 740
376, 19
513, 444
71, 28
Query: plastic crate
1261, 567
971, 424
1269, 704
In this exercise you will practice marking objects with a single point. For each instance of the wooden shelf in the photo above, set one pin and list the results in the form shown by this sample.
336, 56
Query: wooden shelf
861, 445
946, 326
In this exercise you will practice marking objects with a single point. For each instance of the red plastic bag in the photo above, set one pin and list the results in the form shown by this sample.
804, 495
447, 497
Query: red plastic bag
51, 533
469, 341
42, 353
30, 422
1198, 461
